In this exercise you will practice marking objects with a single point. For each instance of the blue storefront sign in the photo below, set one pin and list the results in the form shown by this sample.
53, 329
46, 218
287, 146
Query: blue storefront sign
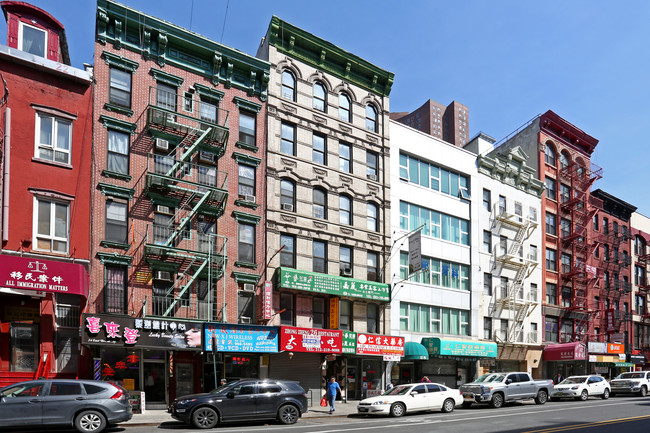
445, 348
241, 338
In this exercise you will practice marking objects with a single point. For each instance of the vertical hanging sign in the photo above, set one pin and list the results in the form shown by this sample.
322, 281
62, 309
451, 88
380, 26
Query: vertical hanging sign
415, 252
268, 301
334, 313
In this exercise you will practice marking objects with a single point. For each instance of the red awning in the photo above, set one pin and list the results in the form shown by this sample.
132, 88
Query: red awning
565, 351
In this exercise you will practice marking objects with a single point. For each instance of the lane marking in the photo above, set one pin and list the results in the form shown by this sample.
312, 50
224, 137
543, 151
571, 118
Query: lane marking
592, 424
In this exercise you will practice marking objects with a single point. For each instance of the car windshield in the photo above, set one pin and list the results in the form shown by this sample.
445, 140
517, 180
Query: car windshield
496, 378
489, 377
398, 390
221, 388
631, 376
576, 379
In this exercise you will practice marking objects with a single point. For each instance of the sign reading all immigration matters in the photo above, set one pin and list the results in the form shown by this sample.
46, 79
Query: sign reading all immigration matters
310, 340
43, 275
369, 344
241, 338
331, 284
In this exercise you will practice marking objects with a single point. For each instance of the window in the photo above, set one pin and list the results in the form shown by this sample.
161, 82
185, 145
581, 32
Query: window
166, 96
503, 330
344, 107
115, 289
288, 145
487, 200
639, 246
345, 210
503, 245
567, 331
245, 306
320, 97
433, 319
565, 193
566, 297
288, 253
163, 224
319, 255
32, 40
287, 195
431, 176
437, 272
532, 255
371, 118
565, 227
373, 224
286, 306
437, 225
566, 263
551, 260
52, 228
487, 284
564, 160
345, 261
372, 267
605, 225
345, 315
596, 221
345, 157
552, 334
318, 309
320, 203
319, 149
549, 155
372, 160
533, 292
207, 112
116, 224
119, 92
117, 158
487, 328
503, 287
54, 138
606, 252
551, 293
487, 241
288, 86
247, 128
550, 224
550, 189
246, 243
246, 180
502, 204
372, 316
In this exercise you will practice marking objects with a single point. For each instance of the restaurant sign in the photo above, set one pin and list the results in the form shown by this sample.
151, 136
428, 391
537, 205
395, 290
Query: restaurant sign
43, 275
331, 284
241, 338
369, 344
311, 340
125, 331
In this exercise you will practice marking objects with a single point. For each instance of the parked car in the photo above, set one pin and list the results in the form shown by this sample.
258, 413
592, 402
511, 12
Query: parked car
88, 405
634, 382
499, 388
412, 397
243, 400
581, 387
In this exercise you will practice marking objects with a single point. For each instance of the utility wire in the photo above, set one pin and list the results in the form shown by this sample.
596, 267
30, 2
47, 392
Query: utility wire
224, 21
191, 14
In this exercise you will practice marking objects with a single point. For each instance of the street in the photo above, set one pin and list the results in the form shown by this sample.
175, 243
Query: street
629, 414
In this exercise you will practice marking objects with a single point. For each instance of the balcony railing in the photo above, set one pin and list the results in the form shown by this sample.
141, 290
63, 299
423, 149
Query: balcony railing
188, 240
158, 306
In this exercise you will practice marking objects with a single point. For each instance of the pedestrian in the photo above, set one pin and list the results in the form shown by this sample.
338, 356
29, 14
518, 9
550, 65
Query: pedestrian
223, 382
559, 378
333, 389
390, 385
425, 379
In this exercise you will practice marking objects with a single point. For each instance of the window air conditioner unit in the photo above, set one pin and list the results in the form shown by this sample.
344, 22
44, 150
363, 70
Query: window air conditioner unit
163, 209
249, 287
206, 157
244, 319
287, 207
250, 198
346, 272
162, 144
372, 177
162, 275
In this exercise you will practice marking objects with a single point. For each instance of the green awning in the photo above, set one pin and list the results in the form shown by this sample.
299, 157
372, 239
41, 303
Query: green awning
414, 351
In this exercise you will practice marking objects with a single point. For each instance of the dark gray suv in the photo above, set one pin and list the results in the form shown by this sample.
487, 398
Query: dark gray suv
88, 405
243, 400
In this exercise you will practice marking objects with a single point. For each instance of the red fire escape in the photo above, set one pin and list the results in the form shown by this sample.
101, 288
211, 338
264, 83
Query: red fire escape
579, 207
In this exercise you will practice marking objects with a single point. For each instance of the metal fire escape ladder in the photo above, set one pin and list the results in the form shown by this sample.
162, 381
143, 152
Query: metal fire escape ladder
186, 286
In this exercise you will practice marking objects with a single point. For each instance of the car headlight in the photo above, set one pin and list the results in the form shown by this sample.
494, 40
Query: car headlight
575, 387
186, 401
380, 402
634, 383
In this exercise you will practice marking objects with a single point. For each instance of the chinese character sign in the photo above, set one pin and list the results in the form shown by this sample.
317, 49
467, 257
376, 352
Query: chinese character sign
370, 344
43, 275
334, 313
267, 305
311, 340
241, 338
331, 284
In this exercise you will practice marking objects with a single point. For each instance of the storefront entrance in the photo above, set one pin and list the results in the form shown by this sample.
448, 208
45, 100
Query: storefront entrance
184, 379
154, 384
24, 347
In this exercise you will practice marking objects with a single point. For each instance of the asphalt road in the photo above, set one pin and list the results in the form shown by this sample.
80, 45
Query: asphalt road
623, 414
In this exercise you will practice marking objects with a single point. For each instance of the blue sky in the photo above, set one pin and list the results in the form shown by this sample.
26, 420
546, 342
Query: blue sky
507, 60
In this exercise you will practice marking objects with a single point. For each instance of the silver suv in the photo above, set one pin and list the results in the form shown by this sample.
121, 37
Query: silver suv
88, 405
637, 382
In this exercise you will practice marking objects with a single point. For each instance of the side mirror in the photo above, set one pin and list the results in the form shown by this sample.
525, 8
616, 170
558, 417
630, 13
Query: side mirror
230, 395
508, 381
414, 393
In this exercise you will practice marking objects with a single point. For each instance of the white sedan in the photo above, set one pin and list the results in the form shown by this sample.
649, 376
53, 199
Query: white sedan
581, 387
413, 397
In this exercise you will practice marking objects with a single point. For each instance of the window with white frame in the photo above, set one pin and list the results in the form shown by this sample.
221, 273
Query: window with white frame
51, 220
345, 315
319, 196
320, 97
246, 187
437, 272
434, 224
371, 118
54, 138
32, 40
432, 176
115, 289
247, 128
245, 306
116, 221
433, 319
345, 157
372, 266
119, 91
319, 149
487, 328
246, 243
372, 318
344, 108
288, 86
117, 157
372, 211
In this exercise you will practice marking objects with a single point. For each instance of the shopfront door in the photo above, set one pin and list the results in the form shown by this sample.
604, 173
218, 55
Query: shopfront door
24, 347
184, 379
155, 384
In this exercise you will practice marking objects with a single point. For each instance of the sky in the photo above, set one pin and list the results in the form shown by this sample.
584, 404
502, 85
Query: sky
506, 60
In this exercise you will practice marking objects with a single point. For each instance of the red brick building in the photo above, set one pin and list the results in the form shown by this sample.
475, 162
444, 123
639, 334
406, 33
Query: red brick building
45, 147
178, 195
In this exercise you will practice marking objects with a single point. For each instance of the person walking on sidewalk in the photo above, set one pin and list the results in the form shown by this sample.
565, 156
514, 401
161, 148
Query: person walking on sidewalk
333, 389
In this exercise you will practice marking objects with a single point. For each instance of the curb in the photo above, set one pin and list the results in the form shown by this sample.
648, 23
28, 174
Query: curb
154, 424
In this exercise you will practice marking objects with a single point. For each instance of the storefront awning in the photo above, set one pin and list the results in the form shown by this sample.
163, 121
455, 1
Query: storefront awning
414, 351
443, 347
564, 352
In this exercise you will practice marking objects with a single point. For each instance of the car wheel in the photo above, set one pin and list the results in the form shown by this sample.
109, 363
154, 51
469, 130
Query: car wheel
643, 392
288, 414
448, 405
90, 421
467, 404
205, 417
497, 401
541, 398
584, 395
397, 409
605, 395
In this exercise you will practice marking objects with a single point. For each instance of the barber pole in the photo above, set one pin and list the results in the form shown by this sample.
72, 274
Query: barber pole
171, 364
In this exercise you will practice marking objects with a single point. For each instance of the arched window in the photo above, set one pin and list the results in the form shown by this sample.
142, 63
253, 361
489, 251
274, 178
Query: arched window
287, 195
320, 203
564, 160
345, 210
288, 86
371, 118
549, 156
344, 107
639, 246
373, 222
320, 97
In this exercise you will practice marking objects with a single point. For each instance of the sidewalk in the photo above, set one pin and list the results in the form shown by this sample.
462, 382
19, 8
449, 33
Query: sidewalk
157, 417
